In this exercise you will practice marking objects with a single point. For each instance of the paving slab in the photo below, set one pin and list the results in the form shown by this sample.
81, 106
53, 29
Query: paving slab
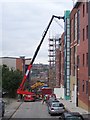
72, 108
11, 108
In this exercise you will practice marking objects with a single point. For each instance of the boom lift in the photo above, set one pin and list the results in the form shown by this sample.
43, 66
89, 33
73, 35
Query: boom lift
37, 84
20, 90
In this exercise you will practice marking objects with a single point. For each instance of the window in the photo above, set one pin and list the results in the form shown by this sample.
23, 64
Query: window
68, 72
68, 21
83, 9
68, 31
78, 60
86, 87
74, 53
83, 86
86, 59
73, 87
72, 32
75, 26
83, 59
87, 31
83, 34
87, 7
78, 28
78, 85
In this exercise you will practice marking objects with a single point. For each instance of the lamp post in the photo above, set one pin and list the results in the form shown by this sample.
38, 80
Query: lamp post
77, 85
76, 66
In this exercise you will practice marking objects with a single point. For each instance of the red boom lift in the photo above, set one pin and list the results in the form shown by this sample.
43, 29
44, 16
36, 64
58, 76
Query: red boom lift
20, 90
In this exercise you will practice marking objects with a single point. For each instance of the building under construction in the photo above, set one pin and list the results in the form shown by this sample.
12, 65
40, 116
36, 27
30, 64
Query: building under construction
54, 44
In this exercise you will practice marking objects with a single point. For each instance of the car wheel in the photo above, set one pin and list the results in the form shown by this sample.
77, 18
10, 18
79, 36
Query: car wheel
2, 114
51, 114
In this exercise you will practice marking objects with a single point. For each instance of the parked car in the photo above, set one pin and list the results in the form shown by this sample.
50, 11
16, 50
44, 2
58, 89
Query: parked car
2, 108
49, 102
71, 116
56, 108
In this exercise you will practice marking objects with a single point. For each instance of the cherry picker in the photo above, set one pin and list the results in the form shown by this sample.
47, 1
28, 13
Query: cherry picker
21, 90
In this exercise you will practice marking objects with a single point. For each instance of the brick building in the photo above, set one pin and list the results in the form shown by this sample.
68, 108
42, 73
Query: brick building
62, 61
58, 69
79, 67
80, 54
73, 46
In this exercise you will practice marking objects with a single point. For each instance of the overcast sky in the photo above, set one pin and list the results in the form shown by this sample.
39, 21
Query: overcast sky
23, 23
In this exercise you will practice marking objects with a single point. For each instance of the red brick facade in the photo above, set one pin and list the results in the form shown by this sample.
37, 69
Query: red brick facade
58, 70
62, 60
79, 52
19, 64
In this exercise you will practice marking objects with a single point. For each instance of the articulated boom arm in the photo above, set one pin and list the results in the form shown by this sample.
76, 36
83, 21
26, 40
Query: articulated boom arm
37, 84
20, 90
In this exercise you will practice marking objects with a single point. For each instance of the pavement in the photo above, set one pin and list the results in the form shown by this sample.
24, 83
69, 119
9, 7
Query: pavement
11, 105
72, 108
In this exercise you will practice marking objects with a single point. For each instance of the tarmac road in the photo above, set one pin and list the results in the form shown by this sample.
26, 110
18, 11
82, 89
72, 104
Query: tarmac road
35, 110
32, 110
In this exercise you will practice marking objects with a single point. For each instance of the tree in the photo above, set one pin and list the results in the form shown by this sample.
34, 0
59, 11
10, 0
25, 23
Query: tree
11, 80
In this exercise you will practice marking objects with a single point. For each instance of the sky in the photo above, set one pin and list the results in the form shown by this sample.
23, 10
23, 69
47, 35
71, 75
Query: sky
23, 23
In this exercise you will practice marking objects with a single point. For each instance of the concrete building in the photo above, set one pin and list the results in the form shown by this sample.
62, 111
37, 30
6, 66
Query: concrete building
9, 61
80, 54
15, 63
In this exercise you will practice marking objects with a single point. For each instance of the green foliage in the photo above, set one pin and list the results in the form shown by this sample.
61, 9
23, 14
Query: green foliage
11, 80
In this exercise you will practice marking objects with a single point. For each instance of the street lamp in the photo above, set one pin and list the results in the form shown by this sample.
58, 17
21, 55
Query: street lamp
77, 87
77, 69
76, 84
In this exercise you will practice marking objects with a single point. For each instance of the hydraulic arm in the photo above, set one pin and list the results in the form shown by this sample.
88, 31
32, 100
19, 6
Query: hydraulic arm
21, 90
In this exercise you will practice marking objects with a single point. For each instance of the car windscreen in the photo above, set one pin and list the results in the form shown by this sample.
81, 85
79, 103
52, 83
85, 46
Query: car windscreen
73, 118
57, 105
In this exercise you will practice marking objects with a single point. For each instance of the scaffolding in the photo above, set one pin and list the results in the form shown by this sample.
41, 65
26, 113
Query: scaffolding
54, 44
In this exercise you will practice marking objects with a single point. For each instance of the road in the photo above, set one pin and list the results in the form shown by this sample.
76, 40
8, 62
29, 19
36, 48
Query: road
32, 110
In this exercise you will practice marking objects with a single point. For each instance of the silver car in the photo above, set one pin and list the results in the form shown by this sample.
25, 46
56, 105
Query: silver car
56, 108
49, 102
